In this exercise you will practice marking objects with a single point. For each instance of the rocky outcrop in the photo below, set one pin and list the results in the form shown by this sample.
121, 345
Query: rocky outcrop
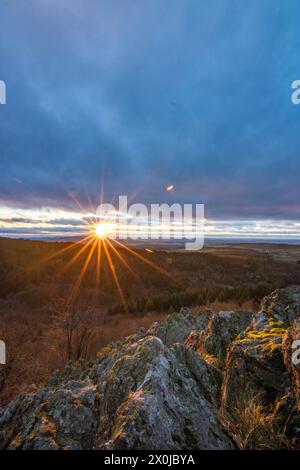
255, 368
179, 325
281, 307
291, 352
222, 328
146, 392
170, 387
255, 364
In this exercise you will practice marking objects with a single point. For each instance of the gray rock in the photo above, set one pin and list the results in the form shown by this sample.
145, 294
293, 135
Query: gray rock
259, 360
222, 328
146, 392
158, 389
254, 368
176, 328
292, 357
282, 306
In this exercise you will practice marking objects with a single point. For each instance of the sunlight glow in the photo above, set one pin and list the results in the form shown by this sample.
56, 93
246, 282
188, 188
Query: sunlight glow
54, 223
104, 230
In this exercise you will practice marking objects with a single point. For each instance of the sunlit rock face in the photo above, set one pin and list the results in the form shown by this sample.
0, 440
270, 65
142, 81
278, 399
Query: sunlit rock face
222, 328
255, 364
147, 391
260, 364
255, 368
291, 347
169, 387
282, 306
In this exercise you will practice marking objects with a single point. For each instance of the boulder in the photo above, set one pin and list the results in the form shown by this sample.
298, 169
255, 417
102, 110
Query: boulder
178, 326
255, 368
160, 389
222, 329
145, 392
291, 351
280, 307
255, 364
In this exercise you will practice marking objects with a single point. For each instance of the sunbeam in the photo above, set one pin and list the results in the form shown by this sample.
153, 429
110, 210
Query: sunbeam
115, 276
123, 261
150, 263
102, 235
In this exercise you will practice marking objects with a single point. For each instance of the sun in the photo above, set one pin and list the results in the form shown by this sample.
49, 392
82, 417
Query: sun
101, 242
104, 230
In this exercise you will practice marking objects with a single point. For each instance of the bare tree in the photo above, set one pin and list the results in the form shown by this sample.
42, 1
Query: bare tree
15, 334
75, 328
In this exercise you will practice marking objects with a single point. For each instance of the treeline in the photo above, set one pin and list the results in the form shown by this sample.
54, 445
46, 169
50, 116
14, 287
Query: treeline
11, 279
194, 296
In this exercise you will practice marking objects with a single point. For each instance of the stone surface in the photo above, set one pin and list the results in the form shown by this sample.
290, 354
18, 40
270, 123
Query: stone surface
222, 329
178, 326
256, 365
255, 368
144, 392
291, 352
282, 306
160, 389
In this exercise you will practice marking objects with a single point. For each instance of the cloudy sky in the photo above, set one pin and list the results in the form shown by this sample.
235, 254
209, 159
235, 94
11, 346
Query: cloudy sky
140, 94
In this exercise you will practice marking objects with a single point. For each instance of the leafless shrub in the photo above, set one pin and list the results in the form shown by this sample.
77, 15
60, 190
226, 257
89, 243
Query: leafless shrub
74, 328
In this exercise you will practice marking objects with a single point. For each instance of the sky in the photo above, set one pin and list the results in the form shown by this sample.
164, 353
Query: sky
130, 96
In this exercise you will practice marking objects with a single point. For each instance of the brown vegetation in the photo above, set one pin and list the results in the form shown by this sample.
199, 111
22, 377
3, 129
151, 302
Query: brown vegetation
43, 329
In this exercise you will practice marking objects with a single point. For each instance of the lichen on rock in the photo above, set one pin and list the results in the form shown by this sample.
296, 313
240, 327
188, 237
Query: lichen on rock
168, 387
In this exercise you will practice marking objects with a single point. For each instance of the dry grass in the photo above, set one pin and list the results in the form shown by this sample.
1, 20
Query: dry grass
254, 426
36, 346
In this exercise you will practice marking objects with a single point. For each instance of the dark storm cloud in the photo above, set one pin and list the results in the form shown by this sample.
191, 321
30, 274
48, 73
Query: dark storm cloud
147, 93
